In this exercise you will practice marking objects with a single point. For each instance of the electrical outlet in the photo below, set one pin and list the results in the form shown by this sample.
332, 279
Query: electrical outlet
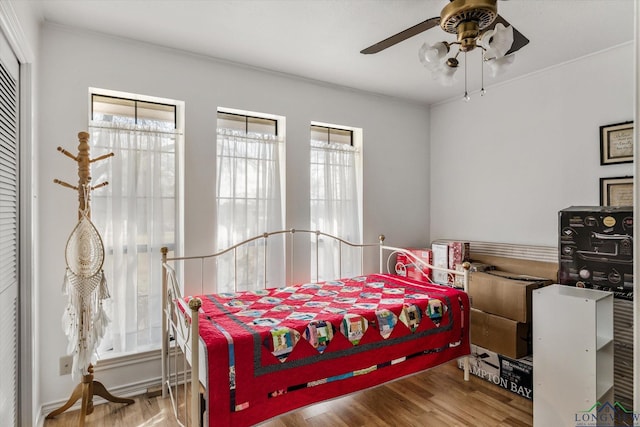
65, 365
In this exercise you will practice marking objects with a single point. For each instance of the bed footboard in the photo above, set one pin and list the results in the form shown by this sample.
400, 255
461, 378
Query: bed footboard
195, 305
182, 329
389, 251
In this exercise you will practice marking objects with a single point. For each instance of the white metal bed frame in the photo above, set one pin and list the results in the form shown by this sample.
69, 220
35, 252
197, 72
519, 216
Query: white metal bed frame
178, 332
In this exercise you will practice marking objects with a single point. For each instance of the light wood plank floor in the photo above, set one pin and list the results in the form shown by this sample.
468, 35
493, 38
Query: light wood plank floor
438, 397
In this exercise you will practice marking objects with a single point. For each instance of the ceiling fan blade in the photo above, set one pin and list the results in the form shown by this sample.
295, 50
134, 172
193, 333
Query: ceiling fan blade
519, 40
402, 35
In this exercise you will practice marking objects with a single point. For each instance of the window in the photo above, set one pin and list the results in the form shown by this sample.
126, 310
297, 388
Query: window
335, 198
249, 197
119, 110
139, 211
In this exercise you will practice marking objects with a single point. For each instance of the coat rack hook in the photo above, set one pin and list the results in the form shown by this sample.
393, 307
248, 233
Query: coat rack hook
68, 154
102, 184
65, 184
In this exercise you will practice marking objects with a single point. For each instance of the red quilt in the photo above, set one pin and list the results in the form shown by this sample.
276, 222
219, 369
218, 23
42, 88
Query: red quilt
275, 350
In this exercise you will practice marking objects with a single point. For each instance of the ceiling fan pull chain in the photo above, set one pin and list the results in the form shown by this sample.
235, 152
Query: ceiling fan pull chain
466, 98
482, 90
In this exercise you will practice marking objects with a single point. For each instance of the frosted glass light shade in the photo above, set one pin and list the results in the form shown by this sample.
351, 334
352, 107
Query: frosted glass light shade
446, 75
432, 56
497, 42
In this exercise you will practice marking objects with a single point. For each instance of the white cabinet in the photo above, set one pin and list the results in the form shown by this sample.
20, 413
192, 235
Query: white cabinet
572, 354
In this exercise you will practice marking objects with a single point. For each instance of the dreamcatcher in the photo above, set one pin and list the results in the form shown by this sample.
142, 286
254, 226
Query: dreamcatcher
84, 320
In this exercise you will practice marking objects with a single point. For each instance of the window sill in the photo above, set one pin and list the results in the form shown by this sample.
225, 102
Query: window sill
119, 360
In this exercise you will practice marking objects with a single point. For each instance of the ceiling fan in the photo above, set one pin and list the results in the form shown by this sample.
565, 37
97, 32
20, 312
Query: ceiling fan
476, 24
466, 18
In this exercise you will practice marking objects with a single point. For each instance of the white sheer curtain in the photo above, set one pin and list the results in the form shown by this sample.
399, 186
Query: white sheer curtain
136, 215
334, 208
248, 202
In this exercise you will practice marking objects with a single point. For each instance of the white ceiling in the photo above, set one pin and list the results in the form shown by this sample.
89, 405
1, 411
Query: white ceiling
321, 39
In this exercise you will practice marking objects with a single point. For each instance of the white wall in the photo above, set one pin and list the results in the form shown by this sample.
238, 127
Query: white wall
503, 165
395, 152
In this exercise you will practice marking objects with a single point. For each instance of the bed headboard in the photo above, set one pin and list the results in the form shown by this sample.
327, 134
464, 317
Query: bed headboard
201, 269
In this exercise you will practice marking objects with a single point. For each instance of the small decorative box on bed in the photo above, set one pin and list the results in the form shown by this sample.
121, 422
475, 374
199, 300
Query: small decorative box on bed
270, 351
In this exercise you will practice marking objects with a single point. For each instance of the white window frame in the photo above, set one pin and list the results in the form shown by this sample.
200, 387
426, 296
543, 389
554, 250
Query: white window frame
178, 247
280, 126
357, 143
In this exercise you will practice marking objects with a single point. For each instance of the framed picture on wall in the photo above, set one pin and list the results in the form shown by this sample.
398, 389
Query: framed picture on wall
616, 143
616, 191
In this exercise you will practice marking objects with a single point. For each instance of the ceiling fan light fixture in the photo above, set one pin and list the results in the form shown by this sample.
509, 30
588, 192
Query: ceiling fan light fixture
432, 56
497, 42
446, 75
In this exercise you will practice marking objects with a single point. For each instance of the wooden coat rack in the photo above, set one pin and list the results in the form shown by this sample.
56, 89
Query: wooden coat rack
88, 387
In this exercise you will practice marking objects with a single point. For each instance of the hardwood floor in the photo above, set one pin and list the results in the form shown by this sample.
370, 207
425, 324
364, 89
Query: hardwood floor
438, 397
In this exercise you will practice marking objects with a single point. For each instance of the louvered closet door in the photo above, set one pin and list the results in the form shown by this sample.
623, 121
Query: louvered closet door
8, 236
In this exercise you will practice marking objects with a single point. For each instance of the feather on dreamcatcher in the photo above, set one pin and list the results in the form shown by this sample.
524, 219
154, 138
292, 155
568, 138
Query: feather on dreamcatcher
84, 320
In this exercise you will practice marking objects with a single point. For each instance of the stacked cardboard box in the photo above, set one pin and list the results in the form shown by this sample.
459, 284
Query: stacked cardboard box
500, 299
501, 311
501, 325
501, 302
515, 375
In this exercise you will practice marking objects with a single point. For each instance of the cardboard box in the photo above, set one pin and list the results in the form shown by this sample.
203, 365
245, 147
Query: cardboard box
515, 375
407, 267
440, 259
499, 334
596, 248
504, 294
543, 269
